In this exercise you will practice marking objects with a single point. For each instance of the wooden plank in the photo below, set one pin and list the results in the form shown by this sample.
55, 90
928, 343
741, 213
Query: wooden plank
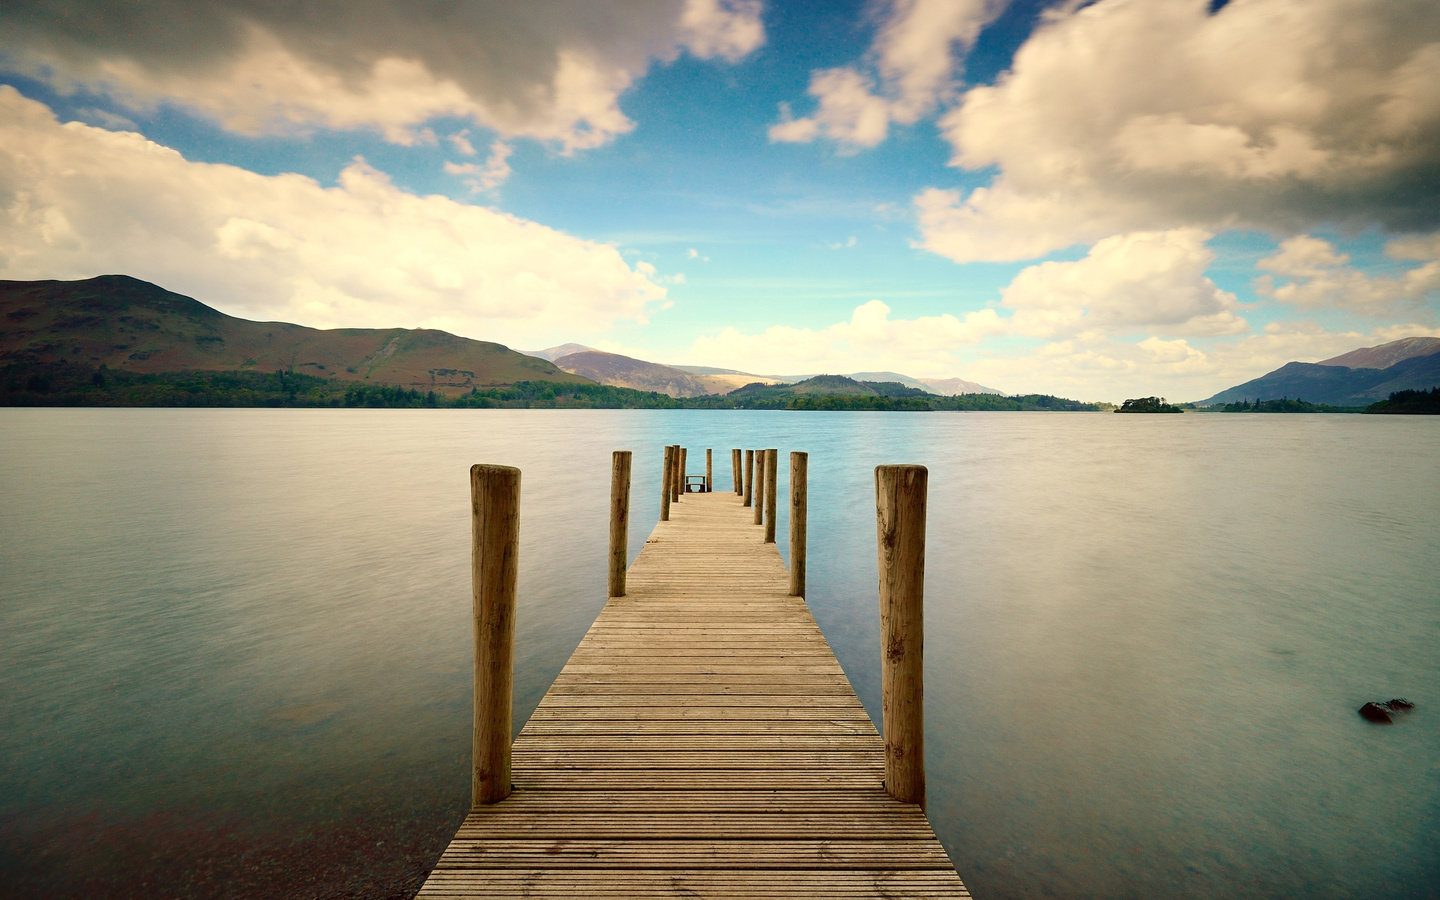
702, 741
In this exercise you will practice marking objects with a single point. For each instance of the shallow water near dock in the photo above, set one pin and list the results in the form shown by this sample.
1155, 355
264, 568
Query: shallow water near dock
235, 647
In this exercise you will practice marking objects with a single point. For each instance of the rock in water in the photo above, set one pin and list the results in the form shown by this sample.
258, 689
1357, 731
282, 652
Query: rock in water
1400, 704
1376, 712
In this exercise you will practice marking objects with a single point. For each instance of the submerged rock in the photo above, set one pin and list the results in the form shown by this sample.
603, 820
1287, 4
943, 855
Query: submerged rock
1382, 711
1376, 712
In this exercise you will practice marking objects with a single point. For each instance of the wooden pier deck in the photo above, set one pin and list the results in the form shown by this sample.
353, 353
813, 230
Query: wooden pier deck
701, 742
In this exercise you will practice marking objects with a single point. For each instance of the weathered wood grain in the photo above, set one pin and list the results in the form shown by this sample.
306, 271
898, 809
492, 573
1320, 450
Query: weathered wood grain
702, 741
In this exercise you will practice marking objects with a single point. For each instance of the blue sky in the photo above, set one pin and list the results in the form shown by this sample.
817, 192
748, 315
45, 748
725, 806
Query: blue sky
1100, 200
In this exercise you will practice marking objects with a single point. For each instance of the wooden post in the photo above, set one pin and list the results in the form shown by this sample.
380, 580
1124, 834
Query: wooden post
759, 487
709, 469
749, 477
667, 473
494, 566
799, 462
771, 460
735, 469
619, 520
684, 470
675, 474
900, 536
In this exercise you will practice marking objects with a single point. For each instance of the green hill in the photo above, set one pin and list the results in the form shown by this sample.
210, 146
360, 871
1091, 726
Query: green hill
127, 325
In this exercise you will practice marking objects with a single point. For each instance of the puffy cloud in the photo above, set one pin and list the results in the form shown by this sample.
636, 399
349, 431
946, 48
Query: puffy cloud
915, 54
489, 176
869, 340
78, 201
1146, 281
729, 29
1125, 115
547, 69
848, 112
1320, 277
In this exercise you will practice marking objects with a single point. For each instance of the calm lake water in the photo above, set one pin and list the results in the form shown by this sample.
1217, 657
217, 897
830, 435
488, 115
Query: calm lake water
234, 644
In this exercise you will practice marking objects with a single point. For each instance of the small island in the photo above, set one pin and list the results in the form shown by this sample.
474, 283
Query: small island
1148, 405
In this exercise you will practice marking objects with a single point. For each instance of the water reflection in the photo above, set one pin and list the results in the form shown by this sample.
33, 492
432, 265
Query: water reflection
236, 642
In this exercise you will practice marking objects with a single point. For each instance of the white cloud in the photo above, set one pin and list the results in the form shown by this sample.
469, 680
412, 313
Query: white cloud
849, 112
491, 175
729, 29
1122, 116
461, 142
915, 55
551, 70
1320, 277
82, 201
870, 340
1107, 369
1153, 282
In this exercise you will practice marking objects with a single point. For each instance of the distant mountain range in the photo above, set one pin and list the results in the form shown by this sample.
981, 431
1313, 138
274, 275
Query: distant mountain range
1357, 378
123, 323
625, 371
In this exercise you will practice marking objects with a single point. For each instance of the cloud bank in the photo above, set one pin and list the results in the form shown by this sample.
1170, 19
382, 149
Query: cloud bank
78, 201
551, 70
1131, 115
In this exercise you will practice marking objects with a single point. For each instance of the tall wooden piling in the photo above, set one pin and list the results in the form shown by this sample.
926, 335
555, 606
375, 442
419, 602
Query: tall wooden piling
749, 478
759, 487
771, 460
675, 470
619, 520
666, 476
684, 470
900, 538
709, 470
494, 566
735, 469
799, 463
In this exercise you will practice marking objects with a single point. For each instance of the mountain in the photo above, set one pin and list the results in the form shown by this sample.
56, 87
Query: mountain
894, 377
123, 323
625, 371
1385, 355
1336, 384
827, 385
838, 392
726, 380
945, 387
950, 387
554, 353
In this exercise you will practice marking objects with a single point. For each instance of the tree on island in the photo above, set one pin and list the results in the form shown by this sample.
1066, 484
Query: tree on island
1148, 405
1409, 402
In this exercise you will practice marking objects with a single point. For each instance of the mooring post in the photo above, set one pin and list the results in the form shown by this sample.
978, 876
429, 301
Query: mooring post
799, 462
684, 471
675, 474
735, 470
749, 477
667, 473
494, 566
709, 470
759, 487
900, 538
619, 520
771, 460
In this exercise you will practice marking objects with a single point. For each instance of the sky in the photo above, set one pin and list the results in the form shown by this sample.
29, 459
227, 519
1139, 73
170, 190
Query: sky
1099, 200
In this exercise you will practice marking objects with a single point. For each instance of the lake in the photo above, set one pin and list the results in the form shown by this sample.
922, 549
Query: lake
235, 647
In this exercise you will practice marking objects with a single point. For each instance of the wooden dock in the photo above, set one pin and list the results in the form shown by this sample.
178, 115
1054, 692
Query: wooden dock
702, 741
